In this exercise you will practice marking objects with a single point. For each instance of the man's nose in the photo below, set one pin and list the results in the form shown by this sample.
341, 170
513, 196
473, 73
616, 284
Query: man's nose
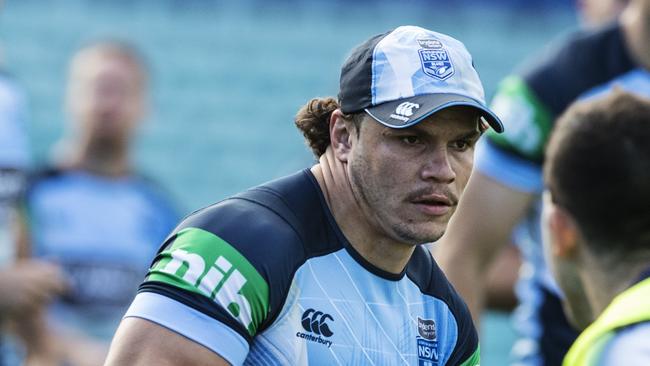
438, 167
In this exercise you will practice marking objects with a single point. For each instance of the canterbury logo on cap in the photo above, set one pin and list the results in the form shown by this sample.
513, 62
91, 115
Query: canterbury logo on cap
404, 111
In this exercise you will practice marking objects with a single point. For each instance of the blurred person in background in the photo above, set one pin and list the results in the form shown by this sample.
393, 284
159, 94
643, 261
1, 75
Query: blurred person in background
502, 275
326, 266
504, 192
596, 226
26, 286
595, 13
90, 211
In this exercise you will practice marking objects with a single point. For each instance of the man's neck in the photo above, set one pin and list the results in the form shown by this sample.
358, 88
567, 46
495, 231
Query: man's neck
376, 247
110, 161
603, 281
636, 27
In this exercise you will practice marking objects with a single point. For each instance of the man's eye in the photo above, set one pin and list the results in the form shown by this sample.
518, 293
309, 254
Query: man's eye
461, 145
410, 140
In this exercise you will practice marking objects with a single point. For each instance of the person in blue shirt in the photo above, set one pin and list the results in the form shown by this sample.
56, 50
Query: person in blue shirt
90, 211
326, 266
596, 221
26, 285
503, 198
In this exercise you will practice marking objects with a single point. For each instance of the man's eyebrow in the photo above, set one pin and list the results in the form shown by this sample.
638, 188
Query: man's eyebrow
420, 130
469, 134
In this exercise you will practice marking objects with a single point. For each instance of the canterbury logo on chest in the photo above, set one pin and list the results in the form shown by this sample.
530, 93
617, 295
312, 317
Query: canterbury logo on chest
316, 324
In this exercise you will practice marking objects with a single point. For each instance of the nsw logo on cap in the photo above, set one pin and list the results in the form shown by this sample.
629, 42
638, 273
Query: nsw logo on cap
435, 59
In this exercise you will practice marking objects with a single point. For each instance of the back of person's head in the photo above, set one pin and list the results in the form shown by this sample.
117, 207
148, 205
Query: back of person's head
598, 169
107, 89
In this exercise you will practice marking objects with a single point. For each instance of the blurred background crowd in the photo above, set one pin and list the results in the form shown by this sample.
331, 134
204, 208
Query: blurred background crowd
119, 117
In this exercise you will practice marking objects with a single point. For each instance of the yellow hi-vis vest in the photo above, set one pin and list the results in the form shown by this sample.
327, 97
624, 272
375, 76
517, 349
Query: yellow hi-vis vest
629, 307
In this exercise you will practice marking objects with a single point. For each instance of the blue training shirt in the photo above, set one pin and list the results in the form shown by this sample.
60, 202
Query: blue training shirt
267, 278
103, 233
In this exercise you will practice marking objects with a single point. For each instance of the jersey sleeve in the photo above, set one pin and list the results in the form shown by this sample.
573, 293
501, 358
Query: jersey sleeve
192, 324
545, 85
221, 276
513, 158
528, 121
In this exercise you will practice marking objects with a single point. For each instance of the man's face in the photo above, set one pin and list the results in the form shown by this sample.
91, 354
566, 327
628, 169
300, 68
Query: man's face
106, 97
597, 12
557, 238
408, 181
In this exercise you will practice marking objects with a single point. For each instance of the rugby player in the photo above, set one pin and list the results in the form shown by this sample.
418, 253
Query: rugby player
504, 194
596, 221
26, 285
90, 211
326, 266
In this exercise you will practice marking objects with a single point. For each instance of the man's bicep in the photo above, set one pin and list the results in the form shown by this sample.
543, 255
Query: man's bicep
193, 325
204, 291
142, 342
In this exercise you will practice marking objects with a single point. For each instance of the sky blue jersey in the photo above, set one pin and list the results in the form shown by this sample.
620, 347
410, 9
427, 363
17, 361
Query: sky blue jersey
268, 278
103, 232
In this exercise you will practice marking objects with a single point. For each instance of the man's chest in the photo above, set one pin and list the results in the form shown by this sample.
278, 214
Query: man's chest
338, 313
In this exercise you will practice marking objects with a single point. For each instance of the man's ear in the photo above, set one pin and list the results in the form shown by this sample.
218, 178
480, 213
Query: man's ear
341, 135
565, 232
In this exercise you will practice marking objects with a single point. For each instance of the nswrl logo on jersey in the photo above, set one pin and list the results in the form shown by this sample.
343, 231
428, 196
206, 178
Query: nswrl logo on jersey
314, 321
427, 343
435, 59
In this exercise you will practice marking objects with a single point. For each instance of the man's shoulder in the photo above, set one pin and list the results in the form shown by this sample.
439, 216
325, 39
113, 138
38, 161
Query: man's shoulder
248, 226
576, 63
284, 215
629, 346
250, 244
529, 101
425, 273
55, 179
431, 280
43, 175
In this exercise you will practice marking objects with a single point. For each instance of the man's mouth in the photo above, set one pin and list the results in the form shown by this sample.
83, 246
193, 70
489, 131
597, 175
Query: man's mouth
433, 204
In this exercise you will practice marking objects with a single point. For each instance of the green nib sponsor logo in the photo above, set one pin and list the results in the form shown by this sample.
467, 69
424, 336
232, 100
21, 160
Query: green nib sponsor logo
221, 281
203, 263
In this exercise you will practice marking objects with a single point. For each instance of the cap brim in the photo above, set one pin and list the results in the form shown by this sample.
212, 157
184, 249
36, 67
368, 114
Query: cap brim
392, 115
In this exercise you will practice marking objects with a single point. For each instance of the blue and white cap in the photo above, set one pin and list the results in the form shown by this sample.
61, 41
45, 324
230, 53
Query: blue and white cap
403, 76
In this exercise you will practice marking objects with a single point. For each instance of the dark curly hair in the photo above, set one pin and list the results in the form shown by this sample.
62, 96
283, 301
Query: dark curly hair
313, 121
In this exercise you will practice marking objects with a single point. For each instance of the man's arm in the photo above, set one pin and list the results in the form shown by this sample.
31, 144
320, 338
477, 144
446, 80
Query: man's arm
487, 213
142, 342
501, 279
